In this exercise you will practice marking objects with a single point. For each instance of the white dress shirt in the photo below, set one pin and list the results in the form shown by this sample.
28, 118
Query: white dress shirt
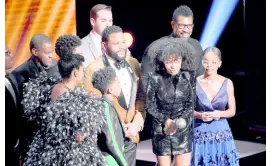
97, 42
125, 80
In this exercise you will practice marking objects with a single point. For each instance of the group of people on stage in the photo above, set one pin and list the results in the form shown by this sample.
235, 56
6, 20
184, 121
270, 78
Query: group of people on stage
88, 107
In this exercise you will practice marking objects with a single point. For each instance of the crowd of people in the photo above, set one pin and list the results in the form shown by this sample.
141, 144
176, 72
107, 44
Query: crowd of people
88, 107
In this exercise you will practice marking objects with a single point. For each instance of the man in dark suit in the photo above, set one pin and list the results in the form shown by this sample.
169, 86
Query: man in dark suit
12, 116
41, 48
182, 25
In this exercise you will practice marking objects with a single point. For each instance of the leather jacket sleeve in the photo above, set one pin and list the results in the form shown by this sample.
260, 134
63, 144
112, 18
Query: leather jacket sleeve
190, 104
151, 106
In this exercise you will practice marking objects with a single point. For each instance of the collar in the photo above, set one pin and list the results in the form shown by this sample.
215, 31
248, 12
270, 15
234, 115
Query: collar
94, 37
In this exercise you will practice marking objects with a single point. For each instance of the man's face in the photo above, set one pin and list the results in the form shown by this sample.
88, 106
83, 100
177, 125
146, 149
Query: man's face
116, 46
103, 20
44, 53
8, 58
183, 27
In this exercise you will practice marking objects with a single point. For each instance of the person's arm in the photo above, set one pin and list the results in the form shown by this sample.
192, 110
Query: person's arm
146, 67
190, 103
111, 140
230, 112
200, 68
140, 115
151, 106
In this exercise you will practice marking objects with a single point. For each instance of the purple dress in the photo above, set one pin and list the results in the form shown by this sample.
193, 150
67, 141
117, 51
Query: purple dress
213, 141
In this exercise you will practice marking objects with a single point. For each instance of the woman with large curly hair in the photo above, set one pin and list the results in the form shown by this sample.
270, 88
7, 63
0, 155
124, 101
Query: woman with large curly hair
170, 100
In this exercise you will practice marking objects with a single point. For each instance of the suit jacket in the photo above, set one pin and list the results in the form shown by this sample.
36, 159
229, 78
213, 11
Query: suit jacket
90, 52
111, 139
135, 111
30, 69
12, 123
147, 65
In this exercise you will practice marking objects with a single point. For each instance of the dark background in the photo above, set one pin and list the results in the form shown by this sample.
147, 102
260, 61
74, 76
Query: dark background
242, 45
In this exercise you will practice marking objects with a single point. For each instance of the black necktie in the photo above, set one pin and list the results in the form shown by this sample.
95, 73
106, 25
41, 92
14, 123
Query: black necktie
120, 65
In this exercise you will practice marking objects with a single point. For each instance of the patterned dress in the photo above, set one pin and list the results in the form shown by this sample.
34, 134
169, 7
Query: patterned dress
213, 141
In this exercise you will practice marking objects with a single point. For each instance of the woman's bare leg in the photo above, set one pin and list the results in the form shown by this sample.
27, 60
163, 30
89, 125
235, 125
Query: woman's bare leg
183, 159
164, 160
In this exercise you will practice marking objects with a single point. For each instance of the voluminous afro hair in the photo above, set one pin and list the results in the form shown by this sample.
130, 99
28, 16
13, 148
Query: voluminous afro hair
66, 44
160, 50
103, 78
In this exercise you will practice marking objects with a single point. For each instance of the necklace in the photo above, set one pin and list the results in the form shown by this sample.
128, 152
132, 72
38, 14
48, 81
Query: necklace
66, 86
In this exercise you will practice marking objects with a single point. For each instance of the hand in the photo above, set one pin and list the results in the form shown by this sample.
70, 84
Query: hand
131, 130
170, 127
206, 116
215, 115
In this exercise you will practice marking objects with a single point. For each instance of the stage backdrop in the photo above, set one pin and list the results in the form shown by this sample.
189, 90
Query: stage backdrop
25, 18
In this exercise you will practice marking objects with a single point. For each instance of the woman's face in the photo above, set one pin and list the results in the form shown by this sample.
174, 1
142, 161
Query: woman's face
173, 64
211, 63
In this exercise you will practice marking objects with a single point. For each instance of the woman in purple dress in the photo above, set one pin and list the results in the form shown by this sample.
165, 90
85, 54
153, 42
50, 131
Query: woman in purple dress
213, 140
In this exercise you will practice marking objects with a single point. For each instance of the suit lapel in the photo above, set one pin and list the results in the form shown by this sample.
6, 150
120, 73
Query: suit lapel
133, 85
92, 47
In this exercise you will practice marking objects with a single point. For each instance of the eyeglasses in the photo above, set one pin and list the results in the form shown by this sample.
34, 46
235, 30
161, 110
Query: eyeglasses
182, 26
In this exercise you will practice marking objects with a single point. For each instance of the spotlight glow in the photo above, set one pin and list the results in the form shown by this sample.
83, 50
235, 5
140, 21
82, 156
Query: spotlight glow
129, 39
218, 17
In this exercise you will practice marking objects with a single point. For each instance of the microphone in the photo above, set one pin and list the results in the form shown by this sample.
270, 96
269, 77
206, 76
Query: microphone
180, 123
187, 77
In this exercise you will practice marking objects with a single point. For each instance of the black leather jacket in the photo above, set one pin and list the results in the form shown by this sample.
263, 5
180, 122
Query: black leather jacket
170, 97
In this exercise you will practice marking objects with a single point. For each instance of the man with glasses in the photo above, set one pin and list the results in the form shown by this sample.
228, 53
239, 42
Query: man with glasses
182, 25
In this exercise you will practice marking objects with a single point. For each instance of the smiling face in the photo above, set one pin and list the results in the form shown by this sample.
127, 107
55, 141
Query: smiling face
183, 27
116, 46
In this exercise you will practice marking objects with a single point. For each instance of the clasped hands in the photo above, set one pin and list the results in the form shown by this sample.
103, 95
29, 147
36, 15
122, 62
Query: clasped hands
209, 116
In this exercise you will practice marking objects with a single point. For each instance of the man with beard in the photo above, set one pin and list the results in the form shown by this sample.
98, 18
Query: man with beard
130, 103
182, 25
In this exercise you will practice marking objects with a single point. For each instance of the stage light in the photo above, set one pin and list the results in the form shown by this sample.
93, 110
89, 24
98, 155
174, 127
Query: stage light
129, 39
218, 17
